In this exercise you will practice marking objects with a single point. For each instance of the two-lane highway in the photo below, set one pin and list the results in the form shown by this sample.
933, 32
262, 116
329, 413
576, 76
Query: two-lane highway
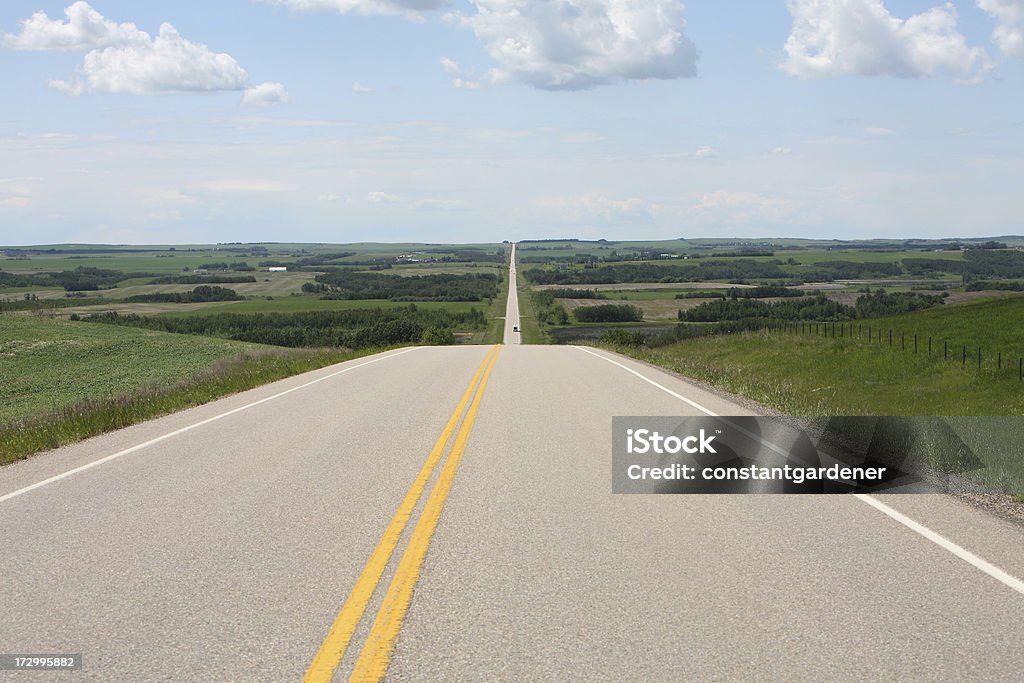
446, 514
512, 323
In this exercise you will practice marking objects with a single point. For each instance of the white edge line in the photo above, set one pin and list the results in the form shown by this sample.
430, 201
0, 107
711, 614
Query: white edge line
189, 428
649, 381
939, 540
964, 554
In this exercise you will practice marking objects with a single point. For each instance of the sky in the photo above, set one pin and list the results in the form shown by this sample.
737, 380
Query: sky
485, 120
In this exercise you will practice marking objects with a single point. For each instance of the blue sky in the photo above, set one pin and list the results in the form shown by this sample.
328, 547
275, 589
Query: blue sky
435, 120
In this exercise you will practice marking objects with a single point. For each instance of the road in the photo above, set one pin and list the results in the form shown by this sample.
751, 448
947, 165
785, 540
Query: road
512, 305
250, 539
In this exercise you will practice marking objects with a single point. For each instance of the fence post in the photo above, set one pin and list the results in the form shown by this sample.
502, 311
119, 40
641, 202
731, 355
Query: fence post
979, 358
1020, 369
945, 349
915, 342
869, 334
890, 336
1000, 360
963, 361
903, 340
929, 347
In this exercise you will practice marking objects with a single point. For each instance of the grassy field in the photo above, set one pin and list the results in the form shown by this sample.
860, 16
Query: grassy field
817, 375
807, 375
49, 364
61, 381
992, 323
294, 304
165, 259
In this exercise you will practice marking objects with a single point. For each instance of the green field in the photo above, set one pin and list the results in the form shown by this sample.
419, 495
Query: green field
818, 375
165, 259
50, 364
294, 304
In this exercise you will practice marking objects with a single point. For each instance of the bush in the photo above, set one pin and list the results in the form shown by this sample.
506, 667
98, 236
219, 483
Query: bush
622, 338
200, 294
609, 313
438, 336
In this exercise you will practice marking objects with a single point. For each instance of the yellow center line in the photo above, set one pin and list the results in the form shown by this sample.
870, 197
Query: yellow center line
326, 661
376, 655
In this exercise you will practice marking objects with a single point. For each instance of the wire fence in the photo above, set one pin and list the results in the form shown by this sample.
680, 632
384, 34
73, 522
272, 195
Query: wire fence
907, 342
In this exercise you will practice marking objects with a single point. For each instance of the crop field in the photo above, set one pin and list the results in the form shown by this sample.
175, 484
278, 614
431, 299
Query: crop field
63, 380
49, 364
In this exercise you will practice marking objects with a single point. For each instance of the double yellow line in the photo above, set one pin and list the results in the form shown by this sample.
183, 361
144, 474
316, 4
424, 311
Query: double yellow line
376, 654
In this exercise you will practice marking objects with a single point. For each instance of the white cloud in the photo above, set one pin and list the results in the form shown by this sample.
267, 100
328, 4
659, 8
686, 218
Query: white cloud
168, 63
705, 152
594, 204
85, 30
408, 8
782, 151
16, 193
459, 81
358, 87
381, 198
861, 37
578, 44
1009, 32
743, 207
265, 93
121, 59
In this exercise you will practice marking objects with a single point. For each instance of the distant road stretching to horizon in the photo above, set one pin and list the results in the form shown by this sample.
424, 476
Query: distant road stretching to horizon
445, 513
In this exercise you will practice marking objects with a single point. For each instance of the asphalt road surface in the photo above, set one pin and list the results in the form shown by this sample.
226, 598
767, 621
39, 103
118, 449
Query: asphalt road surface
512, 327
256, 539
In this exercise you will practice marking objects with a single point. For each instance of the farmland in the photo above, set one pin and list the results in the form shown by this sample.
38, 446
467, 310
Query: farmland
669, 277
75, 281
53, 363
96, 337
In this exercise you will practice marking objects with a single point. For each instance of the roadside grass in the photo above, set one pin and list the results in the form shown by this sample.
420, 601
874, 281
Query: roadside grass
530, 331
495, 332
993, 323
62, 382
48, 364
807, 374
817, 376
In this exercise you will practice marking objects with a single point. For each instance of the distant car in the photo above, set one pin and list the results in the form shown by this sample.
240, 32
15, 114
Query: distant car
515, 328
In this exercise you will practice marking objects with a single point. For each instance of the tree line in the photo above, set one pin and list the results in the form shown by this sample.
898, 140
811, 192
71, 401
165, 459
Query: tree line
345, 284
819, 308
354, 329
200, 294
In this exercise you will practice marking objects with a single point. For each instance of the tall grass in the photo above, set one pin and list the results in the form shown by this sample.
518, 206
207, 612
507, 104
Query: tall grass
23, 437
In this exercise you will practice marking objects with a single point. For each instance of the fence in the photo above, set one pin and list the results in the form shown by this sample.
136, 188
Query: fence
914, 343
